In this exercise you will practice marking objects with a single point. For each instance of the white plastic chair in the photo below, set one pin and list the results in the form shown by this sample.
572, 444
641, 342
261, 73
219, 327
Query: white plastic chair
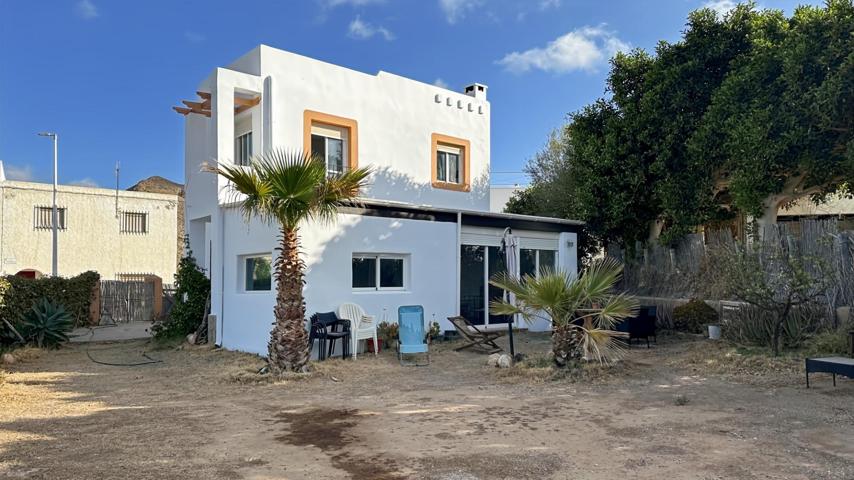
362, 326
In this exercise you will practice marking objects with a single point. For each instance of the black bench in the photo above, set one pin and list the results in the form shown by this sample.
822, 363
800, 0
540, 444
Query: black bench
833, 365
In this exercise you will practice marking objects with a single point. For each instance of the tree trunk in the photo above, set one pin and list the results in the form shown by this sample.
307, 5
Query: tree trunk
778, 330
565, 342
288, 350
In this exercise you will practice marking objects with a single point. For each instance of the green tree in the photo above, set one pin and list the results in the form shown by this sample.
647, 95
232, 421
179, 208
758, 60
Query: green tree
769, 277
289, 189
746, 112
582, 309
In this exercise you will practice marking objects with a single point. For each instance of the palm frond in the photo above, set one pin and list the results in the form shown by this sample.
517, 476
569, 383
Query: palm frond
289, 186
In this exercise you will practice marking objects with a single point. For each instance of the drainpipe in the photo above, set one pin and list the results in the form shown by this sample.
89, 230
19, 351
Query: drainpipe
459, 259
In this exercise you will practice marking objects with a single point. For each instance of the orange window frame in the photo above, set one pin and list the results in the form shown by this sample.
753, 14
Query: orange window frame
311, 117
464, 145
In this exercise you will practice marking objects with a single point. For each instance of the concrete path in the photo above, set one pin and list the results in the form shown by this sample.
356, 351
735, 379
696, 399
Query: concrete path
111, 333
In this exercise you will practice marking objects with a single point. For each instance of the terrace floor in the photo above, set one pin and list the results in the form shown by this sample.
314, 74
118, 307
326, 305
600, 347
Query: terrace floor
686, 409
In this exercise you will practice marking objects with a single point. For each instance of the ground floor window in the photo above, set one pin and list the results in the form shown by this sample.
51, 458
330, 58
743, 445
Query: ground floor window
532, 262
257, 273
379, 271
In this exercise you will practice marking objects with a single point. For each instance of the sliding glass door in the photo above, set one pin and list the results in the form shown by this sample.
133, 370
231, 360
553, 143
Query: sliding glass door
477, 264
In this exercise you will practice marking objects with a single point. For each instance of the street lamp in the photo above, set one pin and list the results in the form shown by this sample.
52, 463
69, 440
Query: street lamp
54, 220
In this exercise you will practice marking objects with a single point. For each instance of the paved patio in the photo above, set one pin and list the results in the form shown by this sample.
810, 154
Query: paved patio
111, 333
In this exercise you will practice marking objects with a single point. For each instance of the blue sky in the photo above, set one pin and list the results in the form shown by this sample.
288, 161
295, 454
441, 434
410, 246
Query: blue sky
105, 73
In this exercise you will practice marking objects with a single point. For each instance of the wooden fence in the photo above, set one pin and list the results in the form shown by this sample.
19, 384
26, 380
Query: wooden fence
128, 301
667, 276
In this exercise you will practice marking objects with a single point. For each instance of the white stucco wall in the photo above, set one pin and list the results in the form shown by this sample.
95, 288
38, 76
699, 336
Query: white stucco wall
328, 251
396, 117
92, 240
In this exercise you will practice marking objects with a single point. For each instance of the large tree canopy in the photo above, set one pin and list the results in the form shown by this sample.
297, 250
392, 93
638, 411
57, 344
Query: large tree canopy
746, 112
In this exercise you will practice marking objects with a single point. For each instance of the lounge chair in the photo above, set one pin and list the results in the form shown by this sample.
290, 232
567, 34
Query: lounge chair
475, 338
410, 319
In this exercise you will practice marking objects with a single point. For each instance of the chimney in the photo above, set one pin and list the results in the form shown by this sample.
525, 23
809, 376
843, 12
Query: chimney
476, 90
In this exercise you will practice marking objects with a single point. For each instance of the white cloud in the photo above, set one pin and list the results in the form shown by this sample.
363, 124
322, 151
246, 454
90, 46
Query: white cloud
455, 10
547, 4
84, 182
722, 7
441, 84
24, 174
86, 10
363, 30
194, 37
585, 49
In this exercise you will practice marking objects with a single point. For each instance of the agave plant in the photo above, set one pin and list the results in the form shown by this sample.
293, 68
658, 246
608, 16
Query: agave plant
583, 309
47, 324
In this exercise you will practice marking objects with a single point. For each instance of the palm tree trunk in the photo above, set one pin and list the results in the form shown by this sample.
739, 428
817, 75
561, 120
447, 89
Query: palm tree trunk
288, 347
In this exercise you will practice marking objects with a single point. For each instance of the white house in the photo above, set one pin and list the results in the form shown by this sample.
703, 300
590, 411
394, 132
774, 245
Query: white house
423, 233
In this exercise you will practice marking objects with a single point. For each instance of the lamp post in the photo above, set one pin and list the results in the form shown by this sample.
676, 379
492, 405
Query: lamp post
54, 217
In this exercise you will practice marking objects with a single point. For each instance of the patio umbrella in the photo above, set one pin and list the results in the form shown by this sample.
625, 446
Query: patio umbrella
511, 248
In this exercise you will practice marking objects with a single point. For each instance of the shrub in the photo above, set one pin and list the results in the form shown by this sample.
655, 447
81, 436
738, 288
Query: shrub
18, 294
694, 316
46, 325
752, 325
192, 288
828, 342
387, 332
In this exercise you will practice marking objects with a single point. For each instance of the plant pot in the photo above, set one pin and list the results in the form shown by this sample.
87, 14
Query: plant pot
714, 332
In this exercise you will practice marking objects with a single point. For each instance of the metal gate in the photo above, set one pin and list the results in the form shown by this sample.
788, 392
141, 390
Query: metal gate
126, 301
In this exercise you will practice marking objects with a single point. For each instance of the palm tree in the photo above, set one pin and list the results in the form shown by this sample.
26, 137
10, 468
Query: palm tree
582, 309
288, 188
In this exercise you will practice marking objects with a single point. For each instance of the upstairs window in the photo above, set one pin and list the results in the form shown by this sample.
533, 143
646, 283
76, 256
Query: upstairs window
450, 162
332, 139
328, 143
133, 222
243, 148
43, 218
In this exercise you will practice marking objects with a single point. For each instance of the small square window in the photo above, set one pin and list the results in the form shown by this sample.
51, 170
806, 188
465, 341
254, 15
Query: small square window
133, 222
43, 218
258, 273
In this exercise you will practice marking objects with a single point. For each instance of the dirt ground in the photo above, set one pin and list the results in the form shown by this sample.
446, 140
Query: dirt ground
685, 409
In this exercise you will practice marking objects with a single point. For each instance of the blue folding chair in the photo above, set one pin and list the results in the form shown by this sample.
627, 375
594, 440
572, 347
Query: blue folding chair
410, 319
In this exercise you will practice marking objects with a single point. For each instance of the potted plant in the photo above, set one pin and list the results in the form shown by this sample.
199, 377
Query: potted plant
434, 332
387, 333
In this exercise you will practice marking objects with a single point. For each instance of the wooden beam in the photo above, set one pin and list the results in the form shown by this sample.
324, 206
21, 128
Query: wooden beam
205, 95
194, 105
249, 102
182, 110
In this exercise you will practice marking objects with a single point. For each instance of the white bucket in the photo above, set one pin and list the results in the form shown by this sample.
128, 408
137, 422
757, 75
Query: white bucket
714, 332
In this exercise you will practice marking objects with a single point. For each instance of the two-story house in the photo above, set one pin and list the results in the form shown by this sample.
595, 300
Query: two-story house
422, 233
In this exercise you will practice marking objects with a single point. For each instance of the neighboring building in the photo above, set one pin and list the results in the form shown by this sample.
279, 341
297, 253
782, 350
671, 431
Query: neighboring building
158, 184
499, 195
422, 233
115, 233
836, 206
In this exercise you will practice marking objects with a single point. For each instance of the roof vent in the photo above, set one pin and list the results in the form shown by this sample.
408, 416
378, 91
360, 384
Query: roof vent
476, 90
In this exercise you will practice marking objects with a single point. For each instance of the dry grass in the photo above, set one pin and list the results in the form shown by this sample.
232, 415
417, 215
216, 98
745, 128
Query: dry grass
540, 368
752, 366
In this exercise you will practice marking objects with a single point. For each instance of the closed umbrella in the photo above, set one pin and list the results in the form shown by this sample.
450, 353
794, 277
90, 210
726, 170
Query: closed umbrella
511, 248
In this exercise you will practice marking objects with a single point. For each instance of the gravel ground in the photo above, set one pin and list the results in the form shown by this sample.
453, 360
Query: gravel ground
685, 409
